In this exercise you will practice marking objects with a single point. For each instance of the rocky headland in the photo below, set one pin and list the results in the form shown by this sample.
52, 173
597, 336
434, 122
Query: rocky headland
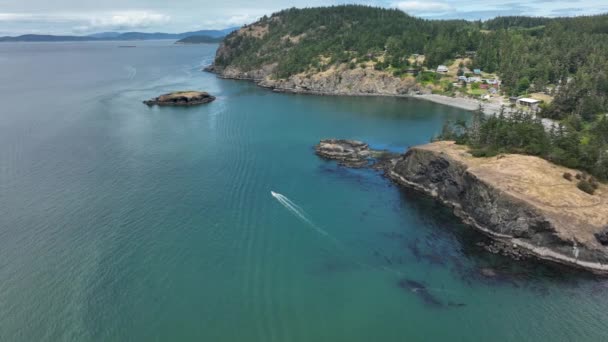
181, 98
524, 203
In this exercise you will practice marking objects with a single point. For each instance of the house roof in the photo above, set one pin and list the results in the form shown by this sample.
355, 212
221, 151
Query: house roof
528, 100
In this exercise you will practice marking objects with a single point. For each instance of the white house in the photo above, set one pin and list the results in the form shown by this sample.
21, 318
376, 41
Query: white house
474, 80
442, 69
528, 102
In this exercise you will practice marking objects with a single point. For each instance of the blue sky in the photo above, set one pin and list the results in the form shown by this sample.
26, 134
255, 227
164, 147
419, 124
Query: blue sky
78, 17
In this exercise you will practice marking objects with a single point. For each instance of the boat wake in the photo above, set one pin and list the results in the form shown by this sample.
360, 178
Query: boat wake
298, 212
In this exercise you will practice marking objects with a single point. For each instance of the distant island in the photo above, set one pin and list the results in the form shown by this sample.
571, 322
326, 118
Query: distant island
117, 36
181, 98
199, 39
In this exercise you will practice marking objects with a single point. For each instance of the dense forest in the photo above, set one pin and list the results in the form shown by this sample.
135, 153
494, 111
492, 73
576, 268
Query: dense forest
566, 58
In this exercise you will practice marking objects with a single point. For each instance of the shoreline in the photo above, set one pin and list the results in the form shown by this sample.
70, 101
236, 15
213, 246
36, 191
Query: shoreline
465, 103
541, 253
521, 224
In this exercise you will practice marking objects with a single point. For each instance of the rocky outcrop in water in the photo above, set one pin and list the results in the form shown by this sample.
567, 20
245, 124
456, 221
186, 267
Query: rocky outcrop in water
181, 98
351, 153
355, 154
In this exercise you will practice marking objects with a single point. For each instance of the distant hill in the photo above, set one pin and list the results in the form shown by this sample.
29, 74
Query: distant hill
44, 38
105, 36
199, 40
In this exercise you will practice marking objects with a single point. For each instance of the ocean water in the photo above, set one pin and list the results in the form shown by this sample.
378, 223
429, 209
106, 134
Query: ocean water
120, 222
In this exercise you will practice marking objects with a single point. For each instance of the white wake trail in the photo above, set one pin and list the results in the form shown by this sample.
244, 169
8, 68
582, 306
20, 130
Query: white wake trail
299, 212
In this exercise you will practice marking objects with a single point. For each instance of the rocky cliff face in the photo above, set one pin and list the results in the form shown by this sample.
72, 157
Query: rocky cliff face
519, 199
339, 80
344, 81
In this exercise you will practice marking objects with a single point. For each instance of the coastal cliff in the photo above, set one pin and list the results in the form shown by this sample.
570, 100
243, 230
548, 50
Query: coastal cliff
522, 200
338, 80
284, 54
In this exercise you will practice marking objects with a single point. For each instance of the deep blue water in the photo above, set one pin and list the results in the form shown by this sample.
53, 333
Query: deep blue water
122, 222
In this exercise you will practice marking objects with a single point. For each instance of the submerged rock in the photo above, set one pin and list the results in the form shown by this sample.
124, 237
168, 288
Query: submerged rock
421, 291
181, 98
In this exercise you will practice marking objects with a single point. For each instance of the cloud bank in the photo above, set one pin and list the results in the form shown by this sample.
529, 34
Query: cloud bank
81, 17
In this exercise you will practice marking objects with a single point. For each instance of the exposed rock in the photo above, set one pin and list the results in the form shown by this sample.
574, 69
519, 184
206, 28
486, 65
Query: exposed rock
181, 98
521, 201
356, 154
350, 153
335, 81
344, 81
602, 236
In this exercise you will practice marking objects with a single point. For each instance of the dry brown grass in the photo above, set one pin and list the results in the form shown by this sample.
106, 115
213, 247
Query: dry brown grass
575, 214
257, 31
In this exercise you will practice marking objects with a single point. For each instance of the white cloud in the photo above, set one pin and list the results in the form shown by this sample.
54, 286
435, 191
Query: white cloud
128, 20
228, 21
422, 6
88, 22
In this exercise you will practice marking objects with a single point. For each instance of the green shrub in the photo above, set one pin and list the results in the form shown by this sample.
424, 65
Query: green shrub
585, 186
568, 176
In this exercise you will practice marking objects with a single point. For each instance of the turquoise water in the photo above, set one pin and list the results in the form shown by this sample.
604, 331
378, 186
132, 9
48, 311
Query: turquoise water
122, 222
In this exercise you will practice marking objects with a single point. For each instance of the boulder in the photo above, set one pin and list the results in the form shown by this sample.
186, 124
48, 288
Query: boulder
351, 153
602, 236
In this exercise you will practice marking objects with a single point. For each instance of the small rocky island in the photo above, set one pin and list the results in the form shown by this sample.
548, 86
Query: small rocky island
181, 98
523, 202
353, 153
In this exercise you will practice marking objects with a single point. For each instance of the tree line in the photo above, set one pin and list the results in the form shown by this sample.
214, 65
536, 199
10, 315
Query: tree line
524, 133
